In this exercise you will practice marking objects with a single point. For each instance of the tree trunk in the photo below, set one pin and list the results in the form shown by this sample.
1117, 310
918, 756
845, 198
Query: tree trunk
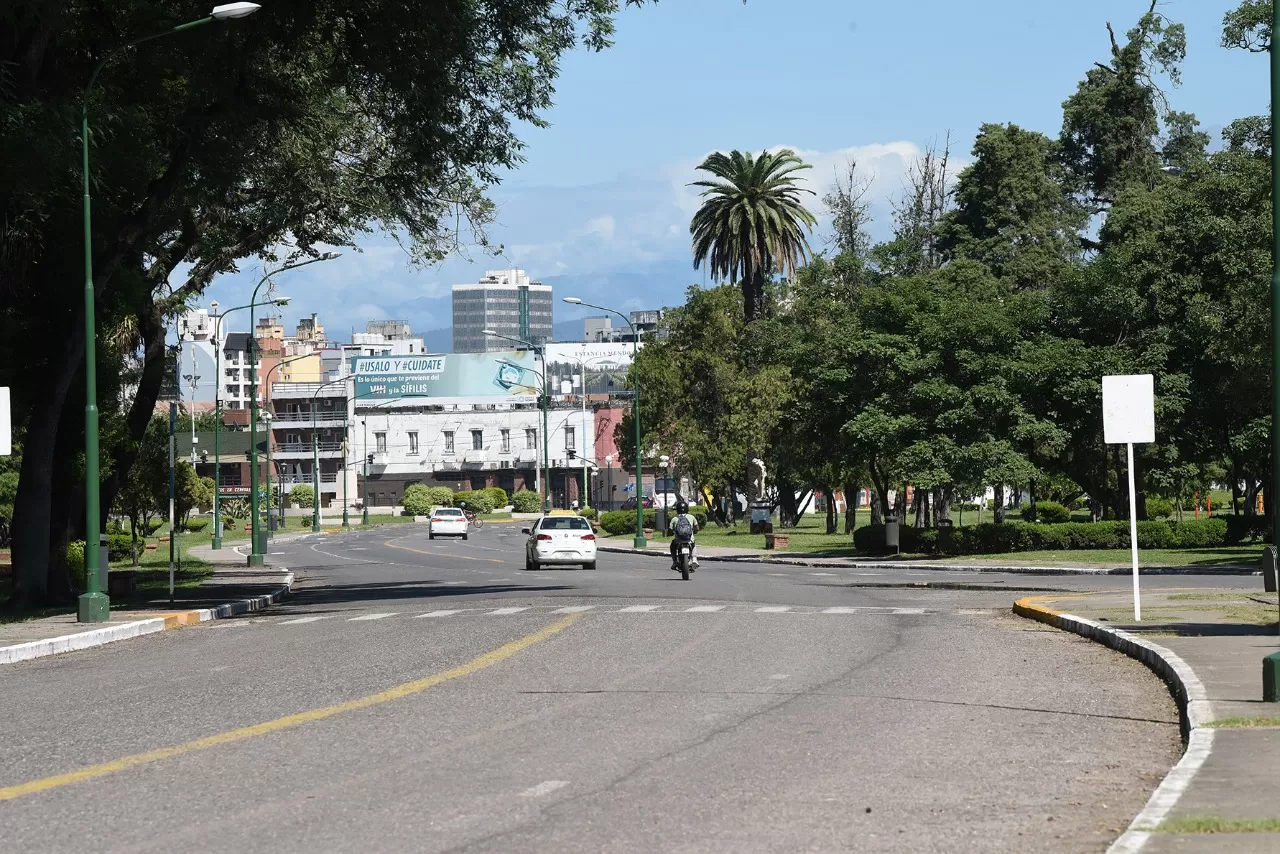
753, 296
942, 507
877, 508
998, 503
32, 504
1032, 495
920, 504
1235, 486
1017, 497
851, 492
831, 508
788, 511
900, 505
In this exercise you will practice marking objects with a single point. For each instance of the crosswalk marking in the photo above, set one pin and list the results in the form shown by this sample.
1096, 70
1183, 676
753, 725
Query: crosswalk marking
301, 620
445, 613
840, 610
907, 611
637, 609
573, 609
503, 611
773, 609
704, 609
370, 617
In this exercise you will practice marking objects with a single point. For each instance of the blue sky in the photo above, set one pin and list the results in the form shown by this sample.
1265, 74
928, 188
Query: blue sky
600, 208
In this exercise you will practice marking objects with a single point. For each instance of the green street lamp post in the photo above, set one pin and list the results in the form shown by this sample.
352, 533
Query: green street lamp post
218, 345
640, 542
543, 399
1273, 496
93, 605
256, 557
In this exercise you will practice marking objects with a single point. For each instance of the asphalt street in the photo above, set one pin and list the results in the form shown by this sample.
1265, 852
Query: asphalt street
434, 696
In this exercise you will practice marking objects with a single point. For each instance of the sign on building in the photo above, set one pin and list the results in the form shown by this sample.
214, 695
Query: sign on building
448, 378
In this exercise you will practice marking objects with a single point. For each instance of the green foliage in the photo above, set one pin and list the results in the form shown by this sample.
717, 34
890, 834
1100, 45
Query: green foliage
1159, 508
497, 496
238, 508
1049, 512
75, 564
1078, 536
589, 512
419, 499
477, 500
1241, 529
195, 526
525, 501
302, 495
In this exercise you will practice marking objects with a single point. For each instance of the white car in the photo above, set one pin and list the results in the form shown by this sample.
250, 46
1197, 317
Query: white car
447, 522
560, 540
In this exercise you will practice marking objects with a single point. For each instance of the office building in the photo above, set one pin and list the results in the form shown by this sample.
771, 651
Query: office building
504, 301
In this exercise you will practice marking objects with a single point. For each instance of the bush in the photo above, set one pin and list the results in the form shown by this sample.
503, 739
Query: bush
616, 522
1159, 508
1241, 529
525, 501
1048, 512
302, 495
1202, 533
589, 512
120, 547
416, 500
699, 512
497, 496
75, 563
153, 526
1154, 535
195, 526
477, 500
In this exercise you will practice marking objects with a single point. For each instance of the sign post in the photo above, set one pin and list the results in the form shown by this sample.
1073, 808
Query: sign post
1129, 417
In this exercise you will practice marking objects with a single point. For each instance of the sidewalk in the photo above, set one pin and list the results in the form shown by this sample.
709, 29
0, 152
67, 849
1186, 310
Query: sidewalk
230, 590
659, 547
1225, 792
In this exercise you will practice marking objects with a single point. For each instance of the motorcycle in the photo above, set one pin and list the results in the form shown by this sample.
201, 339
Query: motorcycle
685, 559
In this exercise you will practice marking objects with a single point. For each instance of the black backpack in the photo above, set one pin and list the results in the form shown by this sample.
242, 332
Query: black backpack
682, 527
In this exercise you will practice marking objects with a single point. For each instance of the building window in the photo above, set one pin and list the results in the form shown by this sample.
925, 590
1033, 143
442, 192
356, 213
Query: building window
477, 440
506, 441
448, 441
413, 444
568, 439
531, 439
381, 439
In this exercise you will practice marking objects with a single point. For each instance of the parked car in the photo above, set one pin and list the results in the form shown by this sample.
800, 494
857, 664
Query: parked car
630, 503
560, 540
447, 522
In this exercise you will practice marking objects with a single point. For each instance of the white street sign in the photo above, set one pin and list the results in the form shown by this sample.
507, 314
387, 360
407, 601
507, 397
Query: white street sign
6, 423
1129, 409
1128, 417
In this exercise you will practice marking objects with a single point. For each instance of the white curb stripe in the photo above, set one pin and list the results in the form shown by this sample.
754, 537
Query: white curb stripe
79, 640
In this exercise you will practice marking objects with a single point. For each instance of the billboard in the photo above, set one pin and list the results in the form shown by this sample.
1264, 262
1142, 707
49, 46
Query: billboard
448, 378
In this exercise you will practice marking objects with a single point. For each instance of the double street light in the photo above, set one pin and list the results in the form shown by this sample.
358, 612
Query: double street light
640, 541
543, 400
94, 606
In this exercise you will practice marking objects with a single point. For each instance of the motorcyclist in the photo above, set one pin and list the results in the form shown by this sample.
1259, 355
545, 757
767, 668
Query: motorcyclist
682, 512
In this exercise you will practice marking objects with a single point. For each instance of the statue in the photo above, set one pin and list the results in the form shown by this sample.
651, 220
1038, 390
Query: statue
757, 472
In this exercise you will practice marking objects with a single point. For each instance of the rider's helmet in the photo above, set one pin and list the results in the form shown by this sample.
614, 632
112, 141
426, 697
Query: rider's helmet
682, 506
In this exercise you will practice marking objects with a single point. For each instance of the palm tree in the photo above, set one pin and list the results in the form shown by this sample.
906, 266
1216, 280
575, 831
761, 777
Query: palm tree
751, 222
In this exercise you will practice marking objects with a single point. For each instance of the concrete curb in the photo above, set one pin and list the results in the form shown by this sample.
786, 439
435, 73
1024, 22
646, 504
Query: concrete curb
137, 628
1189, 692
945, 567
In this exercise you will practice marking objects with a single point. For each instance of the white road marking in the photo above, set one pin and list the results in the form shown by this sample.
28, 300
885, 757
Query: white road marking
637, 609
370, 617
544, 788
445, 613
841, 610
704, 609
357, 548
301, 620
502, 612
457, 582
501, 579
824, 574
573, 609
773, 609
907, 611
780, 676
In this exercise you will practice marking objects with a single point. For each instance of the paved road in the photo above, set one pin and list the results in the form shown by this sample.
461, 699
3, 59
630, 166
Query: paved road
434, 696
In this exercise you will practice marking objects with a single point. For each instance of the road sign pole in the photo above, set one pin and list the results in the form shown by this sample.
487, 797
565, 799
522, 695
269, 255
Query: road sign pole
1133, 538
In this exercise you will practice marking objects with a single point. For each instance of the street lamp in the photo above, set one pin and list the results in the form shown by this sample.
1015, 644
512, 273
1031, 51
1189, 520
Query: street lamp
217, 410
640, 541
256, 557
608, 468
544, 399
666, 464
93, 605
1273, 497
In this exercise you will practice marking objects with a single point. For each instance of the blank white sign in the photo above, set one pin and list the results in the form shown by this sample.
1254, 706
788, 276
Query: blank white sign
1129, 409
6, 424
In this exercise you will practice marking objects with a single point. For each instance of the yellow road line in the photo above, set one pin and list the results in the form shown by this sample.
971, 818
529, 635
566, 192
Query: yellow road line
92, 772
392, 545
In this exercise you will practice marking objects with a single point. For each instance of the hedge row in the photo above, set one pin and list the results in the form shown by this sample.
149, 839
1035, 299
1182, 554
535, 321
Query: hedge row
996, 539
525, 501
618, 522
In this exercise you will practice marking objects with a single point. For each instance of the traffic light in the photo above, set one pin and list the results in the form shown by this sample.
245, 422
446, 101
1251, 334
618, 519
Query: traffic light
573, 455
248, 456
369, 459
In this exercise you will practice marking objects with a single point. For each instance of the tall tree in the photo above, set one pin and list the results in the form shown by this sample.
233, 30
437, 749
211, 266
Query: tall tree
752, 222
924, 201
847, 204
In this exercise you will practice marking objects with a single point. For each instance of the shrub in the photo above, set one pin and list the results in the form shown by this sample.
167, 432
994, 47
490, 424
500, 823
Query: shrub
417, 500
303, 495
238, 508
1048, 512
525, 501
75, 563
699, 512
618, 522
120, 547
195, 526
1154, 535
1242, 529
1201, 533
1047, 538
153, 526
477, 500
589, 512
1159, 508
497, 496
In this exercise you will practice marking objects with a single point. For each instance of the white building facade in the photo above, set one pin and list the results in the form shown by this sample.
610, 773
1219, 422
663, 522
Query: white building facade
506, 302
